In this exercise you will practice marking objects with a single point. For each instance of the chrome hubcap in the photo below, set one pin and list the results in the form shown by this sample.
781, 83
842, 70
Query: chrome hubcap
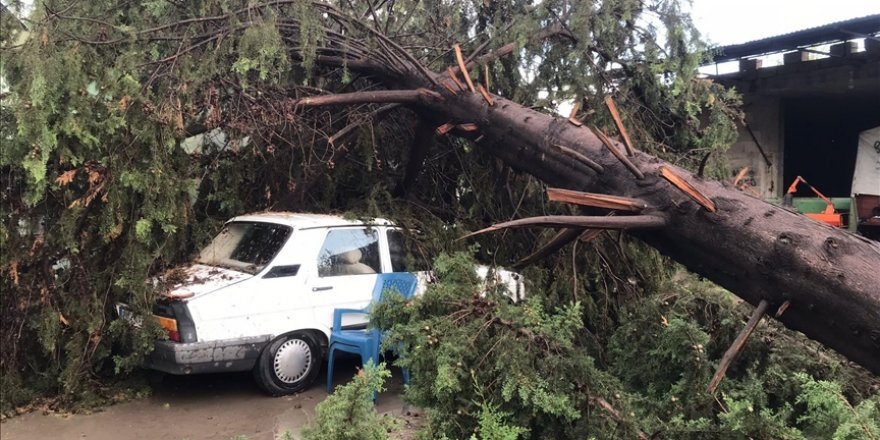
292, 360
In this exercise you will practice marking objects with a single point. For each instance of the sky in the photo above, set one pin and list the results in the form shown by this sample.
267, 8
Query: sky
726, 22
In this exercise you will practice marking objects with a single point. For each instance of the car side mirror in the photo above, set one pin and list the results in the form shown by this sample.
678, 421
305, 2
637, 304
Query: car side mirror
283, 271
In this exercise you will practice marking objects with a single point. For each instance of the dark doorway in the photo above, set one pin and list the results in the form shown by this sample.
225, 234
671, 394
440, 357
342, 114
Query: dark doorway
821, 137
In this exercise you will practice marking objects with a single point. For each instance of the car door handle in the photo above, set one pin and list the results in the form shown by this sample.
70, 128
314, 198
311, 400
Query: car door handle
318, 289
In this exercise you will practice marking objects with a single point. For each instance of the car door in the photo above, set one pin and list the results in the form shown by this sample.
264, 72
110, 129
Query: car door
344, 273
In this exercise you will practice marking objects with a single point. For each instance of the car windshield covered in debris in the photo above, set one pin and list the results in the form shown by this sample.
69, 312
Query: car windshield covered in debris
245, 246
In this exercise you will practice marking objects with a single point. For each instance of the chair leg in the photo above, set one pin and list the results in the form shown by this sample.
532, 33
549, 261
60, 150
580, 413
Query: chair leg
330, 359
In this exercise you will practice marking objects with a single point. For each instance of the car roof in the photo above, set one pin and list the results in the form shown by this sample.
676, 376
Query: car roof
306, 220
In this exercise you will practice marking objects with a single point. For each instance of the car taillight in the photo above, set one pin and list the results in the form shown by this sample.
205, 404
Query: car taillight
174, 317
170, 326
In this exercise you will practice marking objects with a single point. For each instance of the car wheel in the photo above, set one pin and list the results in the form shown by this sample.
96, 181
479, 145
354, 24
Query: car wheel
289, 364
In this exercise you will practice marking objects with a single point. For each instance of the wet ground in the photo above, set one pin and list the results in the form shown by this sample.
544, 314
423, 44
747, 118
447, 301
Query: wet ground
215, 406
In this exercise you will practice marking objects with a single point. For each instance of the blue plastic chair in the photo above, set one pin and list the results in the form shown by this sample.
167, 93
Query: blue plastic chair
367, 342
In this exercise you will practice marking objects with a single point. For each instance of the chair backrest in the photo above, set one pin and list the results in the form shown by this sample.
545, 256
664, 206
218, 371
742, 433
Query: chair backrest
404, 283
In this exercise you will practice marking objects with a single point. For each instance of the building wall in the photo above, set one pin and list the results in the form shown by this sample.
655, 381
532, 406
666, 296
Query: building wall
764, 117
844, 90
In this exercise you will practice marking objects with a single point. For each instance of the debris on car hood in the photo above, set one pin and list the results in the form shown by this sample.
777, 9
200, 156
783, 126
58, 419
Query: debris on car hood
198, 279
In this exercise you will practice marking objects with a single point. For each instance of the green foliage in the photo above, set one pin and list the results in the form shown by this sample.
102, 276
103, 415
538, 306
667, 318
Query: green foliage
830, 415
480, 362
492, 426
349, 413
262, 50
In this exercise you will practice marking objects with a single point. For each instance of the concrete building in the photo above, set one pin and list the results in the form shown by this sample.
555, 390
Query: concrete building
807, 95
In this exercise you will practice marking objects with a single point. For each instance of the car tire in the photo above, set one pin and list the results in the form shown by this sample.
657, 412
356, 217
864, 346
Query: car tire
289, 364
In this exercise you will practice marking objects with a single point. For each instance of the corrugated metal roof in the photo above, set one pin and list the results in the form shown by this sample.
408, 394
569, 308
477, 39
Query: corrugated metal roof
827, 33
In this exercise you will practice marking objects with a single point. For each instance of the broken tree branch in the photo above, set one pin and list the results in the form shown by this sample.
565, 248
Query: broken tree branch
579, 221
370, 97
612, 108
610, 146
782, 308
687, 188
572, 117
556, 243
454, 78
448, 88
614, 413
463, 69
374, 116
445, 128
581, 158
596, 200
591, 234
737, 347
486, 96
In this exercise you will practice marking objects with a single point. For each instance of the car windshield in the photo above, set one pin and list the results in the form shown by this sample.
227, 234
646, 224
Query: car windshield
245, 246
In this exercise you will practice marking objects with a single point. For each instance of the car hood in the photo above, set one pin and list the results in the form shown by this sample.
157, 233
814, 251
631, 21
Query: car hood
199, 279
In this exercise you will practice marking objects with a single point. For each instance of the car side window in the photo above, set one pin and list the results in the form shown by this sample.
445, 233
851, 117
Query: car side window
349, 251
404, 256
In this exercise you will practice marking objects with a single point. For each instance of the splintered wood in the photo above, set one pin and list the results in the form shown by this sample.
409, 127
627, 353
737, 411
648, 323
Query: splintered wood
739, 177
572, 117
486, 76
630, 151
685, 187
463, 68
782, 308
596, 200
445, 128
454, 78
610, 146
430, 94
448, 87
741, 185
486, 95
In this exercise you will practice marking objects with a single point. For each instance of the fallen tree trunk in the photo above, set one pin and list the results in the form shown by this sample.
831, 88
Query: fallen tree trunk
757, 250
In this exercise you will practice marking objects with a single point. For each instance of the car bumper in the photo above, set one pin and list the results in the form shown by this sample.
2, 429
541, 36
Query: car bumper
226, 355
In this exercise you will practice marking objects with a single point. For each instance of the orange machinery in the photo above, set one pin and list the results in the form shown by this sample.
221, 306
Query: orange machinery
828, 215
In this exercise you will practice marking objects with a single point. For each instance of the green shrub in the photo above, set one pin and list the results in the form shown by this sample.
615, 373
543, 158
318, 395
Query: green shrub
349, 413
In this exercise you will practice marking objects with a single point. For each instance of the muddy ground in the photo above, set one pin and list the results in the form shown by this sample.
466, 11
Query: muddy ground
216, 406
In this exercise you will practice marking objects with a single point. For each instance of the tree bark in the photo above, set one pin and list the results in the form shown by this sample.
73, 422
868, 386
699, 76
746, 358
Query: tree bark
756, 250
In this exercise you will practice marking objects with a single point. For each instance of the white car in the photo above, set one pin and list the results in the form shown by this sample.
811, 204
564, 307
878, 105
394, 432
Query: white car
261, 295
